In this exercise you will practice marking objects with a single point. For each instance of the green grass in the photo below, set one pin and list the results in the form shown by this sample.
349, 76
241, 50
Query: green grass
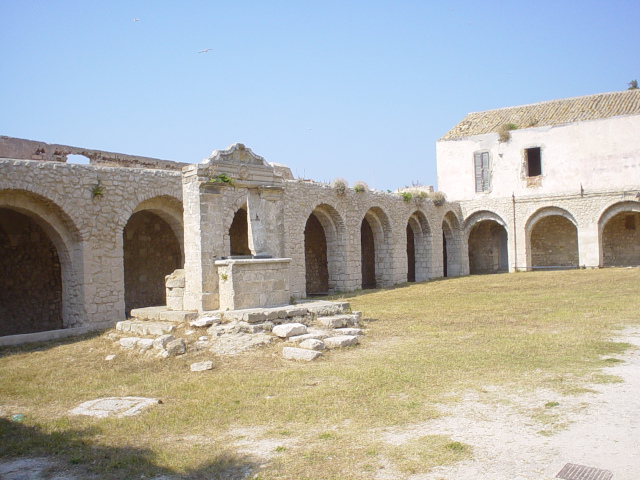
424, 344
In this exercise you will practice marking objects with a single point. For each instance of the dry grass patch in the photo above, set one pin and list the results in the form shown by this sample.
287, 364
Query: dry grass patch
424, 343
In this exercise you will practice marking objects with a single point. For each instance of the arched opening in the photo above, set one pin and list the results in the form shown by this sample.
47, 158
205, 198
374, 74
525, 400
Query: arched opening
452, 266
239, 233
488, 250
553, 241
31, 279
368, 254
411, 255
418, 248
376, 252
621, 240
315, 257
151, 251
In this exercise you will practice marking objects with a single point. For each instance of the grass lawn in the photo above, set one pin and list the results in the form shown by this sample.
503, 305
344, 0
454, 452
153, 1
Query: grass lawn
425, 345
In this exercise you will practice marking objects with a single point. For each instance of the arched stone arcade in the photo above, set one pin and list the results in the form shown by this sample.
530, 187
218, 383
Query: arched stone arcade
41, 262
487, 242
324, 251
619, 232
153, 248
552, 240
376, 249
418, 247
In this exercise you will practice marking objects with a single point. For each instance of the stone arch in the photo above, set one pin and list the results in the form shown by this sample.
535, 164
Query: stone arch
376, 249
619, 235
487, 242
451, 245
171, 211
324, 245
552, 239
419, 242
41, 261
153, 247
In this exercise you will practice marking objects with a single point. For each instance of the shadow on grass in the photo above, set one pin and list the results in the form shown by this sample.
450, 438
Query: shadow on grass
75, 452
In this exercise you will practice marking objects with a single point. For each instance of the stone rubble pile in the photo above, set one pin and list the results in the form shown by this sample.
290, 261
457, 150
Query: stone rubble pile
310, 328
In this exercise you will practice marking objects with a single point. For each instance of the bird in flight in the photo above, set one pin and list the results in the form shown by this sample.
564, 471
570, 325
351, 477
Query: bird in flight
205, 50
136, 19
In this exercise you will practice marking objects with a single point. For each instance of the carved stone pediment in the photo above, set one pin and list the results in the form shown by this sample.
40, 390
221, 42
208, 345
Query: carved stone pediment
236, 154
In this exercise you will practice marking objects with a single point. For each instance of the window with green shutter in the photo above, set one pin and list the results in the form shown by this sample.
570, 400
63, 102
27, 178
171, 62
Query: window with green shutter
482, 171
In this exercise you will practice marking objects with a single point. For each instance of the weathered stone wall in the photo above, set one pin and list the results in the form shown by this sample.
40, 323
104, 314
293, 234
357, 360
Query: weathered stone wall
87, 229
554, 243
621, 240
31, 280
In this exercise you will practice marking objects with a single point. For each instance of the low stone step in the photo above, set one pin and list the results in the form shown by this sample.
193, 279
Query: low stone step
340, 321
323, 308
144, 328
162, 314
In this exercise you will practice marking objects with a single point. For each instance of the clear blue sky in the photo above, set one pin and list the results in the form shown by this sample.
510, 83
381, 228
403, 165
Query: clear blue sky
353, 89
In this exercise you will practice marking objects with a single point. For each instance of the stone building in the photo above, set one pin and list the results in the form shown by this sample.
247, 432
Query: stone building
550, 185
82, 245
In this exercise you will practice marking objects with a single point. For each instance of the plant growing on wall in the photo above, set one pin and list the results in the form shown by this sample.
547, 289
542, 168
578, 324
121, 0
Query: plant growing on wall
406, 196
97, 190
360, 186
633, 85
504, 131
340, 185
438, 198
222, 178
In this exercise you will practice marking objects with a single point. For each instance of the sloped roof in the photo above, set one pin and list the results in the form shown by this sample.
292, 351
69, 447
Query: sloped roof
554, 112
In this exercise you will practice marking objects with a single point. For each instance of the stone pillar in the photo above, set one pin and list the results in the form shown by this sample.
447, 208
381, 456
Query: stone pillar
588, 245
257, 223
202, 240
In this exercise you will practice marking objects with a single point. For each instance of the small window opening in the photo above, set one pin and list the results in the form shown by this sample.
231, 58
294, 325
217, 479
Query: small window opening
630, 222
534, 163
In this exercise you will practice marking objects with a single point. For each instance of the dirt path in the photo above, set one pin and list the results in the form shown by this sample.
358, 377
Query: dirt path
600, 430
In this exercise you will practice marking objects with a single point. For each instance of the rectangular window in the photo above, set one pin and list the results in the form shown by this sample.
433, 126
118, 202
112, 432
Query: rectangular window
482, 171
534, 162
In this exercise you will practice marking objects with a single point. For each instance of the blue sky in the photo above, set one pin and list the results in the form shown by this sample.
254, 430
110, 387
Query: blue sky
353, 89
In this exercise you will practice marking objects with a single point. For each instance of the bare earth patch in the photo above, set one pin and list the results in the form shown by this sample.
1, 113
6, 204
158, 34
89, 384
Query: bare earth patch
595, 429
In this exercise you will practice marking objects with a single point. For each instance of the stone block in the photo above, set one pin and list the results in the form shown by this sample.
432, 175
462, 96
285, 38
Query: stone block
175, 303
176, 347
296, 311
201, 366
333, 322
145, 343
312, 344
293, 353
341, 341
349, 331
205, 321
287, 330
161, 342
129, 342
175, 280
306, 336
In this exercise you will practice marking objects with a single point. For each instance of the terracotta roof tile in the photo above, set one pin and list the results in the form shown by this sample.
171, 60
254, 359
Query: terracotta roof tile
554, 112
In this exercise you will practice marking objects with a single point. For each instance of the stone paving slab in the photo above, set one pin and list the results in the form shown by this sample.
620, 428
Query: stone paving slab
113, 406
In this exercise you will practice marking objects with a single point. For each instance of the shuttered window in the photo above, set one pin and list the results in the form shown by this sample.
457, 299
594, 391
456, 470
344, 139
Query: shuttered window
482, 171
